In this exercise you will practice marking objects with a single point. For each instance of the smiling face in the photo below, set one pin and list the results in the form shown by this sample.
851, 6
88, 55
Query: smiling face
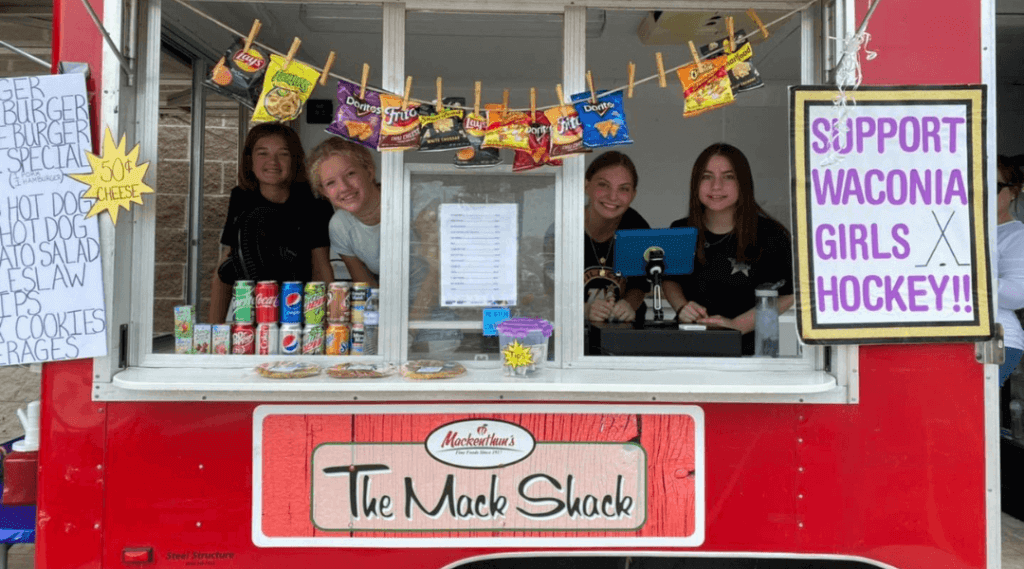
719, 186
611, 190
272, 161
349, 185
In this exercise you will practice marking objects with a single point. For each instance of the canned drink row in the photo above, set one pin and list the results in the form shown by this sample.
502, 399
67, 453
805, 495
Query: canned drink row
292, 302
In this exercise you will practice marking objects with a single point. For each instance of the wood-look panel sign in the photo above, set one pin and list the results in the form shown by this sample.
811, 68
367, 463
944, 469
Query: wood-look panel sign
350, 476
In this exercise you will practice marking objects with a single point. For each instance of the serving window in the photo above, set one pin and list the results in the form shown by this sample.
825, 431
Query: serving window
430, 308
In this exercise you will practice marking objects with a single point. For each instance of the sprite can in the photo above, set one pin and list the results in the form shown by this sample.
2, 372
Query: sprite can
244, 300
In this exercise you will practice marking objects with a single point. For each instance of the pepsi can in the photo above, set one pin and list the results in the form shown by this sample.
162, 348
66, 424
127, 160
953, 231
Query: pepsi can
291, 302
291, 338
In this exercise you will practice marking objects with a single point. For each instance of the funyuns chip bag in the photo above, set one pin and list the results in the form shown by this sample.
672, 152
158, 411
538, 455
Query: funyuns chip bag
604, 122
284, 90
399, 128
241, 76
357, 119
707, 88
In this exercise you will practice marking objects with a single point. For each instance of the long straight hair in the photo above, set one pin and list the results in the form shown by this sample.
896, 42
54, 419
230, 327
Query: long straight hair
747, 209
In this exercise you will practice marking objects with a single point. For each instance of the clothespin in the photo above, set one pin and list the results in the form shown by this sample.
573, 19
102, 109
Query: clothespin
440, 107
504, 103
533, 103
291, 53
753, 16
590, 84
632, 75
731, 24
408, 89
362, 83
696, 56
662, 82
327, 68
476, 98
256, 25
561, 95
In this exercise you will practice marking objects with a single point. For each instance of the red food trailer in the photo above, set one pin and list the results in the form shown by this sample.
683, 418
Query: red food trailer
841, 454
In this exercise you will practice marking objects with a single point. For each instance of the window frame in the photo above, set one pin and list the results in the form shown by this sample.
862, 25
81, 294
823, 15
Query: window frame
133, 372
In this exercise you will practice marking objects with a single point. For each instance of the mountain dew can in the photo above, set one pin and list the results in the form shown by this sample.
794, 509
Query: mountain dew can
314, 302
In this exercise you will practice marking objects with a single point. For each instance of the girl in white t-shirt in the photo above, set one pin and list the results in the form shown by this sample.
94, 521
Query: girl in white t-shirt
1011, 267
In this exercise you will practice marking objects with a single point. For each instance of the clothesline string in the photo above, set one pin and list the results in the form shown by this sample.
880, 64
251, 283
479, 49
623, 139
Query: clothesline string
711, 53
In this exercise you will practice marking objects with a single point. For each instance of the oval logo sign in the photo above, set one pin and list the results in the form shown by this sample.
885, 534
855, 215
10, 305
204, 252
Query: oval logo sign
480, 443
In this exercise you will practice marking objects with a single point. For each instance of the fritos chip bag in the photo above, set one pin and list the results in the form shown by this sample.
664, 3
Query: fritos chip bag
241, 76
357, 119
707, 88
539, 152
566, 131
474, 156
442, 130
284, 90
743, 76
604, 122
506, 129
399, 129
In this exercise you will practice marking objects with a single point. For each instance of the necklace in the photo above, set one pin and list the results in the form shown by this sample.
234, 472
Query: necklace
607, 253
708, 244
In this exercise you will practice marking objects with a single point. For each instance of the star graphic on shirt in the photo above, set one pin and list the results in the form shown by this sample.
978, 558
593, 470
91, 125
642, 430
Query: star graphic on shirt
739, 268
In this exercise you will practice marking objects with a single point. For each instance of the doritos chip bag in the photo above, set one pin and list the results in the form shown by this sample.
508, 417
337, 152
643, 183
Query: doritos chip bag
399, 128
705, 88
566, 131
442, 130
743, 76
284, 90
539, 153
357, 119
604, 122
241, 76
506, 129
474, 156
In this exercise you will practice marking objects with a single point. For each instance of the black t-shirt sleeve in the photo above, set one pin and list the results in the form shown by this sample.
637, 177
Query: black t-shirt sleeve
320, 213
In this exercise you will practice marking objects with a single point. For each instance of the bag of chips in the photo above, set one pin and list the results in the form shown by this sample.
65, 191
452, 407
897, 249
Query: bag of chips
743, 76
284, 90
604, 122
540, 142
566, 131
506, 129
705, 88
474, 156
357, 119
442, 130
399, 128
241, 76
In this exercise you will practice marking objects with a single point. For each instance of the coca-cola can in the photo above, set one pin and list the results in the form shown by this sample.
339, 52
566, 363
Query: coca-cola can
243, 338
291, 339
337, 339
268, 342
268, 299
312, 339
337, 301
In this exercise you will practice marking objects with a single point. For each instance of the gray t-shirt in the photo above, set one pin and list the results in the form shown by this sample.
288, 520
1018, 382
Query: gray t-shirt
350, 238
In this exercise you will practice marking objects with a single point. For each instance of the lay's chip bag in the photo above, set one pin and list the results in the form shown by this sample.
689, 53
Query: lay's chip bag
604, 122
284, 90
241, 76
475, 126
357, 119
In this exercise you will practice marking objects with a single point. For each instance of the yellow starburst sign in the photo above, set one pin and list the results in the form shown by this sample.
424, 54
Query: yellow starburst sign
517, 355
116, 178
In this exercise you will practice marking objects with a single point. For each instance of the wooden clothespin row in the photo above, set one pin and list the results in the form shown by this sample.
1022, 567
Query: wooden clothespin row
561, 95
440, 106
291, 53
760, 25
632, 76
533, 103
327, 68
362, 83
408, 89
662, 82
731, 24
590, 85
476, 98
256, 25
504, 103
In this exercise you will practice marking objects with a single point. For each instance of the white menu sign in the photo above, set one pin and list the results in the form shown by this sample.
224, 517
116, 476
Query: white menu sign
479, 248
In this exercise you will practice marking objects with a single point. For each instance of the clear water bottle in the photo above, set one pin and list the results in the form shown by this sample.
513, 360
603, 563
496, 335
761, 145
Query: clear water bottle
371, 320
766, 323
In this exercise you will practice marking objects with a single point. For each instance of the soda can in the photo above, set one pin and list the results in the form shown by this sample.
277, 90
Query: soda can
183, 345
312, 339
244, 293
202, 336
291, 302
268, 342
337, 339
360, 292
268, 300
221, 339
314, 303
291, 339
243, 338
184, 320
358, 337
337, 301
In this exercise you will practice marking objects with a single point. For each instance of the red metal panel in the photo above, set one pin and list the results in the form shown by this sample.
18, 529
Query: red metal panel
75, 38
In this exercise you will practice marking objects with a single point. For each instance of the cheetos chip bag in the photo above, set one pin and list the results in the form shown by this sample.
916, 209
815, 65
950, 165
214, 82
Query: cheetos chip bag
604, 122
506, 129
284, 90
705, 88
357, 119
